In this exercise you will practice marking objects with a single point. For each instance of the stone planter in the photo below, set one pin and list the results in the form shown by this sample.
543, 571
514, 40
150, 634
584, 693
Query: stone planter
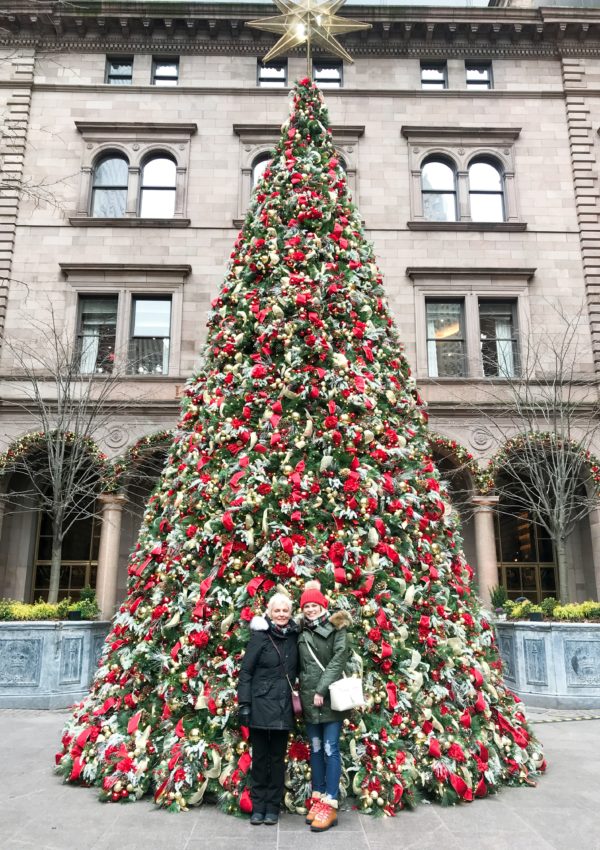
552, 665
48, 664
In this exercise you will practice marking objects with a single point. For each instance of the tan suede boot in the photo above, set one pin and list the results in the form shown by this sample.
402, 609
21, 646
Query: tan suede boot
325, 818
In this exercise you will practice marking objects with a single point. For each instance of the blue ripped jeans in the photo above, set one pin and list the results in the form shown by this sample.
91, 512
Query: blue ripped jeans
325, 758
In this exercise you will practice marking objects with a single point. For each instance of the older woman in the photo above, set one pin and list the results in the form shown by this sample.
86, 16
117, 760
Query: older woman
265, 699
324, 650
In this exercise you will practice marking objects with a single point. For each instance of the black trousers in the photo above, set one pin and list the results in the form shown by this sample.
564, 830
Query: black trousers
269, 747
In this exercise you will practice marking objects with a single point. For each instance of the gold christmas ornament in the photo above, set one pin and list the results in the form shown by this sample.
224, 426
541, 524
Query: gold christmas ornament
308, 22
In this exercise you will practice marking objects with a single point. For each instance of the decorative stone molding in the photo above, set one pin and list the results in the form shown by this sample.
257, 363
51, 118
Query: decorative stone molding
460, 146
136, 141
468, 284
178, 28
13, 142
126, 280
584, 166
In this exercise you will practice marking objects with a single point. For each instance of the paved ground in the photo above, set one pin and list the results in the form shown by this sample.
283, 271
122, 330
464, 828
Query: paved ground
37, 812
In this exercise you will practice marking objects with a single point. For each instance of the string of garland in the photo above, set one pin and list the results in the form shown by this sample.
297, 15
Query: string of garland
482, 480
36, 441
122, 466
544, 440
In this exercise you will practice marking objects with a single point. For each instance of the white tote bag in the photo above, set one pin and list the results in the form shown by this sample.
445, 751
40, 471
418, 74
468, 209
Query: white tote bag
345, 693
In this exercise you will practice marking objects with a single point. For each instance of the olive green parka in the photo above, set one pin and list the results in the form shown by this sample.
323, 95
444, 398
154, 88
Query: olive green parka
331, 644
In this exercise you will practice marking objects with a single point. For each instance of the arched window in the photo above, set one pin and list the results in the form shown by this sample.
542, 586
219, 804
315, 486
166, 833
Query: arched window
157, 192
259, 167
109, 187
486, 191
438, 186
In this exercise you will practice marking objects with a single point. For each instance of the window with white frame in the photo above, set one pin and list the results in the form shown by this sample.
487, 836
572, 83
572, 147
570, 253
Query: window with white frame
478, 75
127, 317
468, 320
273, 75
434, 75
462, 179
165, 72
328, 73
133, 174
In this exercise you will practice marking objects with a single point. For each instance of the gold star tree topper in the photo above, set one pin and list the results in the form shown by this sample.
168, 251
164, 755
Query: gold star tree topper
308, 22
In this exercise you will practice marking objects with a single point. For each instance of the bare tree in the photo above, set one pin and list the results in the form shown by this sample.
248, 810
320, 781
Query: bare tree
544, 412
71, 407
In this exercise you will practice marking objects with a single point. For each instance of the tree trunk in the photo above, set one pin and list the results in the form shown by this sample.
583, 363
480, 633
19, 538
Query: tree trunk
563, 570
57, 540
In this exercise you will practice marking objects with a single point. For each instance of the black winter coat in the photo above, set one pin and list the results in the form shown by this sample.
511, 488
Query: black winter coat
262, 684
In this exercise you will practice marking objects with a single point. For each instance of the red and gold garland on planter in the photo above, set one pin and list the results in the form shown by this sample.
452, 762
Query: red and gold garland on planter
302, 451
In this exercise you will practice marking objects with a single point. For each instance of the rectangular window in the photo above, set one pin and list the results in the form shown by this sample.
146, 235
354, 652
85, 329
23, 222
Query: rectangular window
479, 75
497, 328
96, 333
119, 70
328, 74
165, 72
445, 339
273, 75
150, 336
434, 75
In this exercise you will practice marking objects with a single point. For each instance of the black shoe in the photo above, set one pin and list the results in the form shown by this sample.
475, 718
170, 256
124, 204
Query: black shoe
257, 818
271, 819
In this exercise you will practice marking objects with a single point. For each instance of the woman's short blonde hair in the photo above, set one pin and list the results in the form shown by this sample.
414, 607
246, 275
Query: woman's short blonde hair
279, 599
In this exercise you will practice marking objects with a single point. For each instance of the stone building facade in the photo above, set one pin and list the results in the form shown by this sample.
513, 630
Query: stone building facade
470, 140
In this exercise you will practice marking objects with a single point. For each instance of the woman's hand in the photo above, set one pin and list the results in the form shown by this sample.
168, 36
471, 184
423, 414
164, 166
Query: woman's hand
318, 700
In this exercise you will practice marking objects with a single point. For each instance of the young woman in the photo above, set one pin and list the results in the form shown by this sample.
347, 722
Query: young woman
265, 703
323, 647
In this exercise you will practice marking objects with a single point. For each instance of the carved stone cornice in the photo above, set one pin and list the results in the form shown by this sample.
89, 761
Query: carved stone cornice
181, 27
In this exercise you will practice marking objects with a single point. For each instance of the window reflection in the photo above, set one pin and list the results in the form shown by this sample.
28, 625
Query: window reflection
109, 187
438, 185
486, 192
158, 188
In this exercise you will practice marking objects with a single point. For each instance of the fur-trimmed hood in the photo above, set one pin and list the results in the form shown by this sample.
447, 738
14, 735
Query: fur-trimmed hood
259, 623
340, 620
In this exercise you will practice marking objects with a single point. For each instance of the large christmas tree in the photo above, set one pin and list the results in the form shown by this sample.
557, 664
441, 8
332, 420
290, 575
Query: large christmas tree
302, 452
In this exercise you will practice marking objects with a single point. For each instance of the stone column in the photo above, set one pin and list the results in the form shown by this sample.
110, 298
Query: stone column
485, 545
108, 556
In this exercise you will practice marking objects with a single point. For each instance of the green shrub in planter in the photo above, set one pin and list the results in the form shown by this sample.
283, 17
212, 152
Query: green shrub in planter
11, 609
548, 605
575, 612
498, 596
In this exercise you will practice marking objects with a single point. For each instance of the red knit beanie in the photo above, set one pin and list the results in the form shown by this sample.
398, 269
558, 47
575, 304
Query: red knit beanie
312, 593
